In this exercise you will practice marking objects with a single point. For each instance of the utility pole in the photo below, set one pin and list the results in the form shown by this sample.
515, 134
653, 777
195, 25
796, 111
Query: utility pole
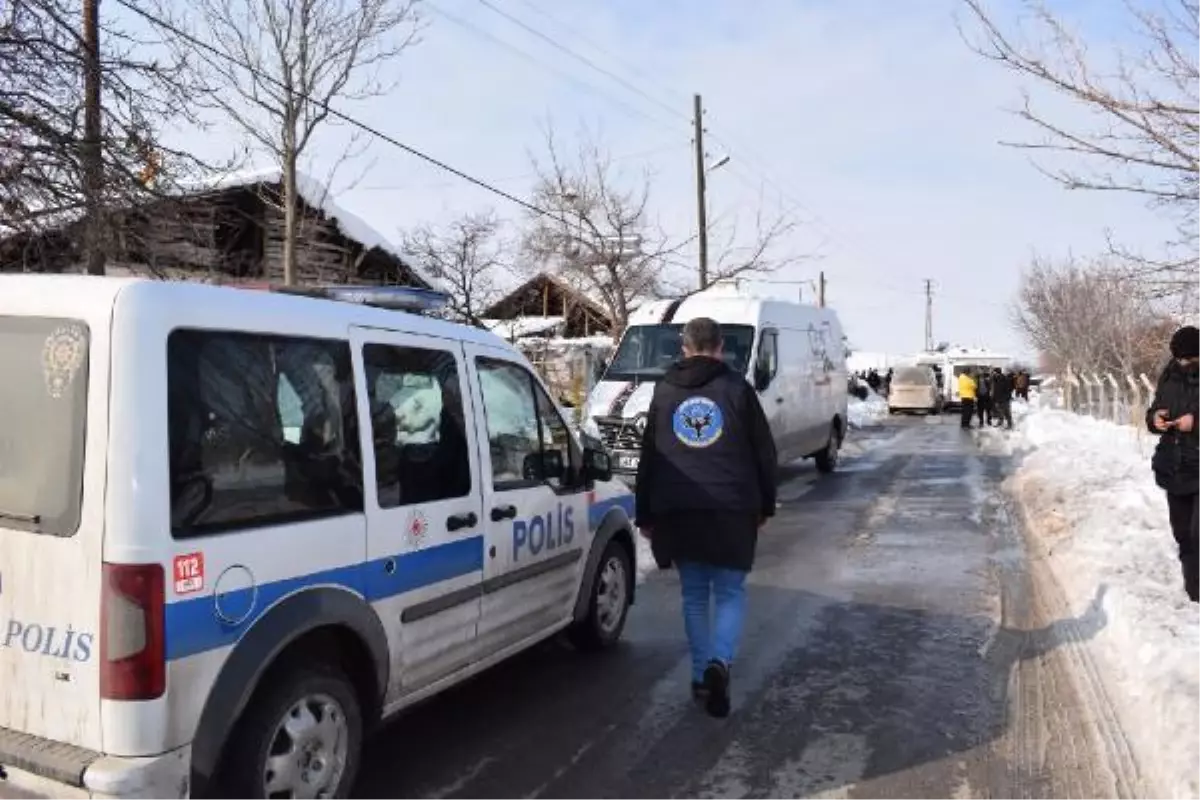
701, 210
90, 152
821, 289
928, 315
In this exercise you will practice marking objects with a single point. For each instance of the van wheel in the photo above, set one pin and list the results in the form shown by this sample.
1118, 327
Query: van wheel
300, 737
608, 605
827, 458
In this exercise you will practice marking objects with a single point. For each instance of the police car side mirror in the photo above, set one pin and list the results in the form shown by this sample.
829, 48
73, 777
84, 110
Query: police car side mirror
597, 465
544, 466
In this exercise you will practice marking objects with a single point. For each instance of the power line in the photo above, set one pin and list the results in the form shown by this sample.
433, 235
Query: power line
333, 112
485, 34
550, 40
628, 66
513, 178
759, 169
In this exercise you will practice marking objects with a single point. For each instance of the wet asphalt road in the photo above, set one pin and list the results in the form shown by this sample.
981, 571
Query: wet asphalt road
898, 644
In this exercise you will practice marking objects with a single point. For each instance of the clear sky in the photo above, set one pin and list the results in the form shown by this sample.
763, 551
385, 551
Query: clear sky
874, 117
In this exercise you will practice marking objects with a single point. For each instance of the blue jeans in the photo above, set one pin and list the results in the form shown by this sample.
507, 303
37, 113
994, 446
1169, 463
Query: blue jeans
716, 639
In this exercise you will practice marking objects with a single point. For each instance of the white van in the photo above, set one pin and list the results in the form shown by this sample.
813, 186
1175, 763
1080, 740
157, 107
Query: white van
238, 528
954, 361
792, 354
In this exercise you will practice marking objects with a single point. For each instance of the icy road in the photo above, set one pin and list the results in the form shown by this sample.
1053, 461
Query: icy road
899, 644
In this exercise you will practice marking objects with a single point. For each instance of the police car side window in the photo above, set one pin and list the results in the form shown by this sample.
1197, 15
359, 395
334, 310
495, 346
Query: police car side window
511, 413
262, 429
417, 425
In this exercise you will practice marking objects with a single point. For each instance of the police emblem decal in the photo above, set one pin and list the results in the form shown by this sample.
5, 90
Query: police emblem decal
698, 422
62, 356
416, 528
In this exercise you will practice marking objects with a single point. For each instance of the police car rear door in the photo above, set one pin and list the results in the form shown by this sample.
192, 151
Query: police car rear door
535, 508
423, 502
54, 354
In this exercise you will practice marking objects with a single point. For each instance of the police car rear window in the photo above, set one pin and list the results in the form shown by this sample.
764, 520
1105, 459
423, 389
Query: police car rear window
43, 394
263, 430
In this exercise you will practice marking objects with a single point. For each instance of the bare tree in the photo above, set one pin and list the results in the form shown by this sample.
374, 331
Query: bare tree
1090, 316
1143, 133
768, 248
466, 256
282, 64
51, 171
601, 237
598, 236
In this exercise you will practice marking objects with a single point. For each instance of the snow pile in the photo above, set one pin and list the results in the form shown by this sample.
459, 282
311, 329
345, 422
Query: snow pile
1094, 511
865, 413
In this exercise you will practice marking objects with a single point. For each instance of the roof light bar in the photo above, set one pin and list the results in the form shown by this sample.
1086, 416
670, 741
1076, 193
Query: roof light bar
395, 298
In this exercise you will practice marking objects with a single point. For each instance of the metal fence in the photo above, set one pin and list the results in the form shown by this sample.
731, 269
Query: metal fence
1122, 399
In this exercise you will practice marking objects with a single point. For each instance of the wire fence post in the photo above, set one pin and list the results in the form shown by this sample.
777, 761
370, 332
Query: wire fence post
1072, 390
1114, 408
1135, 399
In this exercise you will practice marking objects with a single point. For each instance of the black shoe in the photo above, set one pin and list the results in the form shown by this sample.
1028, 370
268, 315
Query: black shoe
716, 681
1191, 577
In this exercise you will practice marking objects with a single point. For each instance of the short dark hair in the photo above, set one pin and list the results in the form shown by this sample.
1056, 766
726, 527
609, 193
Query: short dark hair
702, 335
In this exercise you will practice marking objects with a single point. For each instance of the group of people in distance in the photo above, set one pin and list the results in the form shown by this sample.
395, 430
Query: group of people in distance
988, 394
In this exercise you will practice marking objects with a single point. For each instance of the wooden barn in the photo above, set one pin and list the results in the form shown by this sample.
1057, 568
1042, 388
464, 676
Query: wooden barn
544, 297
229, 231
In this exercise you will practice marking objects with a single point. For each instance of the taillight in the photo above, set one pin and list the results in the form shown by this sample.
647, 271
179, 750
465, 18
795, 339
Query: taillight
132, 649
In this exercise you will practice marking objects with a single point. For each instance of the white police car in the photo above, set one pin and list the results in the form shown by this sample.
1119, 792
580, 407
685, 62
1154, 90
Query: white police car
238, 528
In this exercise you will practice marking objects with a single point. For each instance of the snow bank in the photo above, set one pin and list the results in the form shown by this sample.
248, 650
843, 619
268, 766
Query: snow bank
864, 413
1097, 515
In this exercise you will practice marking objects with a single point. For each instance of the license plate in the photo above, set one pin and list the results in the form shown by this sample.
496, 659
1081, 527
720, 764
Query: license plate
628, 462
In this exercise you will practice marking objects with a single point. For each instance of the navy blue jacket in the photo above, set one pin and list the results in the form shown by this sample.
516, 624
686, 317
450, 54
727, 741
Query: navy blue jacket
707, 445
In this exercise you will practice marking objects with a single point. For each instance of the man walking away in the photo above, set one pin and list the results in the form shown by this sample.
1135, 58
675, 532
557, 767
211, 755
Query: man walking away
1002, 394
983, 397
966, 396
705, 485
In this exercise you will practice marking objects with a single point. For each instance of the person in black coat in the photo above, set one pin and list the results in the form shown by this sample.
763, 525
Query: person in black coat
705, 485
983, 396
1172, 415
1002, 395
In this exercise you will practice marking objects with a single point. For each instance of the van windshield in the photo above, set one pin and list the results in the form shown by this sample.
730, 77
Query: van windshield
647, 351
43, 394
912, 376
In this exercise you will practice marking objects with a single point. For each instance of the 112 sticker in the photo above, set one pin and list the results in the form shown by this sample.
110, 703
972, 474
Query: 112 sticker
189, 573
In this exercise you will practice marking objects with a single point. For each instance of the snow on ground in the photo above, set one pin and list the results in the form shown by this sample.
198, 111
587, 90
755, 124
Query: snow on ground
1095, 512
865, 413
645, 558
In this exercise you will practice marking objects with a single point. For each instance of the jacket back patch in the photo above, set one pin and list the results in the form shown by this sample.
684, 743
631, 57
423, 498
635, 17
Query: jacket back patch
698, 422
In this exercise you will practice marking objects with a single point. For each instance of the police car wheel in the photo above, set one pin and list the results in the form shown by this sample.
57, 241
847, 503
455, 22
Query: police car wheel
608, 605
300, 737
828, 457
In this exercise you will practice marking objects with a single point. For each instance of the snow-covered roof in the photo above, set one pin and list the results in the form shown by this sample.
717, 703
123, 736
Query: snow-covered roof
523, 326
561, 344
317, 195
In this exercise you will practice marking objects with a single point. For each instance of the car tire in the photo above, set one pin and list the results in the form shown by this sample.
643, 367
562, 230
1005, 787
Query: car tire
608, 602
827, 458
308, 720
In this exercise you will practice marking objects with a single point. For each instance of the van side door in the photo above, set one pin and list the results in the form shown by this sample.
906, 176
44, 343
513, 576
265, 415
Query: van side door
424, 527
535, 504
